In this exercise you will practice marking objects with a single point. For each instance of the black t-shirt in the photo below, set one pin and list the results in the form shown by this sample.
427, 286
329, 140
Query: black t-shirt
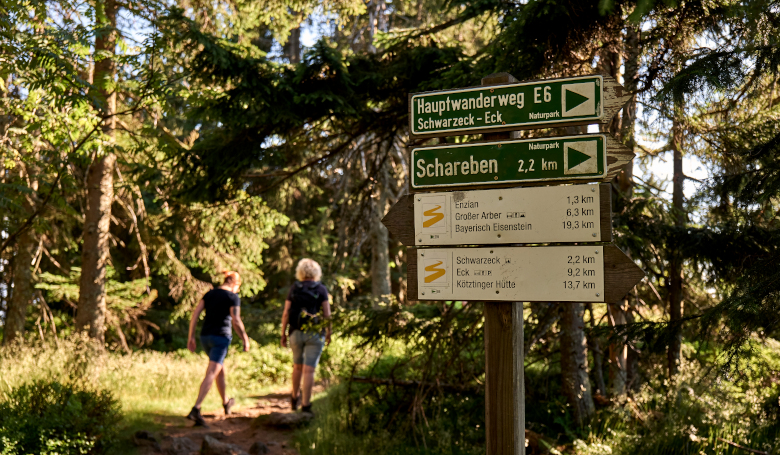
306, 299
217, 321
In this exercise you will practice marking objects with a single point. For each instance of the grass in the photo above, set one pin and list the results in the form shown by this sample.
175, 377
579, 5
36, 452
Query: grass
329, 434
700, 413
155, 388
151, 386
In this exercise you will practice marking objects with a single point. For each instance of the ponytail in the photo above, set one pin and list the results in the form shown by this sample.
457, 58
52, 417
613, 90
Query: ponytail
231, 278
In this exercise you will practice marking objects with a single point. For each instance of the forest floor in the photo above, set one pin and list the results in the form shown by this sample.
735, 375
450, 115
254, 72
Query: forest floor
241, 428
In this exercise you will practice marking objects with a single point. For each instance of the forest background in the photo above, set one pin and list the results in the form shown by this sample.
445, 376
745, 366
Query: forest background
147, 146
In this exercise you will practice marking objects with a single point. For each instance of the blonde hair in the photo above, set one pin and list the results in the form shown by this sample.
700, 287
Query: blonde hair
308, 269
231, 278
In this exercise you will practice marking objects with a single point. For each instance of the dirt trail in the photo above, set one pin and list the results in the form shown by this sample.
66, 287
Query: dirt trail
235, 429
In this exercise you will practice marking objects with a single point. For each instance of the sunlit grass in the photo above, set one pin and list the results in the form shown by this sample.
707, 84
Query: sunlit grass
149, 383
145, 382
153, 388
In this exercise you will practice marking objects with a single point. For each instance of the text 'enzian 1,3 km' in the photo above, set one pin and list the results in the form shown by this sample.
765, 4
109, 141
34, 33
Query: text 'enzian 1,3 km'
571, 213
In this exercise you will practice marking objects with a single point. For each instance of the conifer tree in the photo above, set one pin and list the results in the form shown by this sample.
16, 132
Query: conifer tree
91, 315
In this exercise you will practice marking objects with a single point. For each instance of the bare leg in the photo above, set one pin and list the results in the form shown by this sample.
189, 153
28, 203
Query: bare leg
211, 372
221, 386
308, 383
296, 379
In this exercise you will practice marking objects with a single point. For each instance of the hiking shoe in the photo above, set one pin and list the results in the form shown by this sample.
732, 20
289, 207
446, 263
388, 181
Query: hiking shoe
307, 409
294, 401
227, 406
196, 417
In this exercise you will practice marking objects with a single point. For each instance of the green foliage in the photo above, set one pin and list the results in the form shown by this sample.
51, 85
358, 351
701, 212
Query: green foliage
264, 365
49, 417
699, 413
126, 302
325, 104
230, 158
735, 247
361, 419
424, 365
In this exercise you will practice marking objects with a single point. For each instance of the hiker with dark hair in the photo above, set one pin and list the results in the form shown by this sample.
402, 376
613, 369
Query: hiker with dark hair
307, 300
223, 309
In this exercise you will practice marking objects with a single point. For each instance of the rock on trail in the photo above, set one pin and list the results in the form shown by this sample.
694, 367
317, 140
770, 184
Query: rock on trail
240, 433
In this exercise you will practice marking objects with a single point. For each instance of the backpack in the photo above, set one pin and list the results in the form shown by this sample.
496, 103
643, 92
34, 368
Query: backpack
301, 296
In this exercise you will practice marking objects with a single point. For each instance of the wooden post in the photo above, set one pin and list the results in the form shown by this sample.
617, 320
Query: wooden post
504, 357
504, 386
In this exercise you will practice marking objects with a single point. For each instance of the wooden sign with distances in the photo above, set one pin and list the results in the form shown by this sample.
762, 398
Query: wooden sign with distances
551, 214
588, 157
581, 273
536, 104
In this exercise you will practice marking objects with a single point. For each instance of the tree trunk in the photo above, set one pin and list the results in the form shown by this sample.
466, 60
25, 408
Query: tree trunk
380, 238
91, 315
22, 294
574, 363
377, 21
21, 273
675, 266
618, 313
630, 83
594, 346
292, 48
633, 375
618, 353
626, 178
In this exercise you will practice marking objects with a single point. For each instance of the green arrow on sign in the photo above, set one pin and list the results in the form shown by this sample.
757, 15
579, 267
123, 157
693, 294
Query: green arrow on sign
576, 157
574, 99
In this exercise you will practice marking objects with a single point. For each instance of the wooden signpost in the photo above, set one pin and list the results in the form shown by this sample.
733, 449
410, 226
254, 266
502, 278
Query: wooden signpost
550, 214
520, 213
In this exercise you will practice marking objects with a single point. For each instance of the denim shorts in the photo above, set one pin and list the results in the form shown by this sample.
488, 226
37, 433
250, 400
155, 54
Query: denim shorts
216, 347
306, 348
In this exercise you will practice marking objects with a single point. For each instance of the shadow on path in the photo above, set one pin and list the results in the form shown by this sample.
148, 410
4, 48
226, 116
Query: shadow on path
240, 429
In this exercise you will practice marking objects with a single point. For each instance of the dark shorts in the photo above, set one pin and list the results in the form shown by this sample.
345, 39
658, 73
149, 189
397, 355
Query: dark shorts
306, 348
216, 347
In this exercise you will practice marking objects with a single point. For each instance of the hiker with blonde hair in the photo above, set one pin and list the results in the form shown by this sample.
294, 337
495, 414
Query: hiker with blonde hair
307, 300
223, 309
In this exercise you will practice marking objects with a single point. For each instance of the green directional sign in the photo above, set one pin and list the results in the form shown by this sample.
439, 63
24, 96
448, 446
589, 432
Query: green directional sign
512, 161
554, 102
